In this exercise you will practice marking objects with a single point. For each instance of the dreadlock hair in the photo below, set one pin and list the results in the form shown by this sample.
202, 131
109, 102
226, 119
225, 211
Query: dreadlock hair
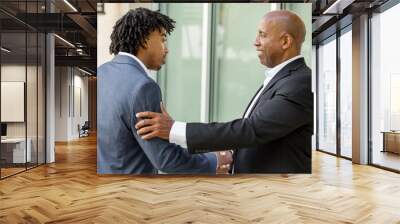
132, 30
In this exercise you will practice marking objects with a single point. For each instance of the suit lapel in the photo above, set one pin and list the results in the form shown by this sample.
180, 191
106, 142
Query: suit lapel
254, 96
284, 72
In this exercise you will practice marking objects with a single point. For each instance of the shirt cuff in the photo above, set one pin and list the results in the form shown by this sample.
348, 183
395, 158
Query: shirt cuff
177, 135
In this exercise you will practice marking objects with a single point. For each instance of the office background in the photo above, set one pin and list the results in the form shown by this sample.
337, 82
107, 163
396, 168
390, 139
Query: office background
22, 77
46, 79
359, 83
354, 61
212, 68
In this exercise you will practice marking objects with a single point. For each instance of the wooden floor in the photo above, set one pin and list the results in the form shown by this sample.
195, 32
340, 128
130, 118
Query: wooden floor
387, 159
10, 171
70, 191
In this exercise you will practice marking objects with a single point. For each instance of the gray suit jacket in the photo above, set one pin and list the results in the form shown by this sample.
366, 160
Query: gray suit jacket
123, 90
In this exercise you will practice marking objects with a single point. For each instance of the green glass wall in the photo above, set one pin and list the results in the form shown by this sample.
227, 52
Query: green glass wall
304, 11
234, 71
180, 77
237, 72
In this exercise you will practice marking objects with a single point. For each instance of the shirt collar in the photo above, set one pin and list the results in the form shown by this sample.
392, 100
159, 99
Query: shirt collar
269, 74
137, 60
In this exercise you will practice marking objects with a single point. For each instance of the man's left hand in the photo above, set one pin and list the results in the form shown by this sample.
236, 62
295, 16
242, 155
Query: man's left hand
151, 124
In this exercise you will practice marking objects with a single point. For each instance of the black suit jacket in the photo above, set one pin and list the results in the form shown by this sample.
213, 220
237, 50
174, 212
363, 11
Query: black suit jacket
276, 136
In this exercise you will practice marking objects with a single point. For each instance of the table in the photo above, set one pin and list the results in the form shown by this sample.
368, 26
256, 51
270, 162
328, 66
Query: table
13, 150
391, 141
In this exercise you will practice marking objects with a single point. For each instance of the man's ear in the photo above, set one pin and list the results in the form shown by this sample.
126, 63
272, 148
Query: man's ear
286, 41
146, 44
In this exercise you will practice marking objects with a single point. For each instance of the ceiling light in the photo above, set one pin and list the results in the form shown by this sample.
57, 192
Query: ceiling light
65, 41
274, 6
338, 6
70, 5
5, 50
86, 72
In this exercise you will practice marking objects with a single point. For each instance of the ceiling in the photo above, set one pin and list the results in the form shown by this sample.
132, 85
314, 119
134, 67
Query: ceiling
74, 22
332, 15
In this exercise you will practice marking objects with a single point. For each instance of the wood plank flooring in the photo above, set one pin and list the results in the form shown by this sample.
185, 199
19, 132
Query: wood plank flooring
388, 159
10, 171
70, 191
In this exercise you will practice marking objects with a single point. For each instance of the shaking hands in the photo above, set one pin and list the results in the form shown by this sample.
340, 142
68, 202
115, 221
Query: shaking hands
224, 162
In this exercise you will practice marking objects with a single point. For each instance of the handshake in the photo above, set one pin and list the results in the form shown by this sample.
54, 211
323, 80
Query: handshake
224, 161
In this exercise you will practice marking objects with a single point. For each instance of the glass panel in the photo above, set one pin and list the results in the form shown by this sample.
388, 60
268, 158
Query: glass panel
2, 127
237, 70
182, 71
346, 94
17, 8
385, 84
76, 120
304, 11
32, 87
31, 98
314, 90
41, 98
13, 87
22, 88
327, 97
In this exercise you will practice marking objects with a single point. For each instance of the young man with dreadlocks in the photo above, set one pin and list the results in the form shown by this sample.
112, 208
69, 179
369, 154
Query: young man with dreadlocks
125, 88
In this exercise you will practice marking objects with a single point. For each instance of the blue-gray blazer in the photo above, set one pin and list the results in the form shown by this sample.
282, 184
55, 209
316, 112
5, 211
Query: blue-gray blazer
124, 89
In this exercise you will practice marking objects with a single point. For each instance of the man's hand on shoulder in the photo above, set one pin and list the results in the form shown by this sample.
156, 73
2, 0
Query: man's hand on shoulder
151, 124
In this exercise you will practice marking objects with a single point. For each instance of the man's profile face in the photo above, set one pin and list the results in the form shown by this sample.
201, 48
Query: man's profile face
268, 44
156, 50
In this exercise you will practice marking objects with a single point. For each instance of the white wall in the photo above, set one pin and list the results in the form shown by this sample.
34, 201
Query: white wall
80, 83
33, 126
67, 115
61, 103
17, 73
14, 73
12, 100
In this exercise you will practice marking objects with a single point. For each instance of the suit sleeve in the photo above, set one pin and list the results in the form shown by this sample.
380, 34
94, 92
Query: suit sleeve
289, 109
166, 157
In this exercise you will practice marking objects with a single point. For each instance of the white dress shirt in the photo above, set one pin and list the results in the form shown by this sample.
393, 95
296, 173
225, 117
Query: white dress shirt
138, 61
177, 134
